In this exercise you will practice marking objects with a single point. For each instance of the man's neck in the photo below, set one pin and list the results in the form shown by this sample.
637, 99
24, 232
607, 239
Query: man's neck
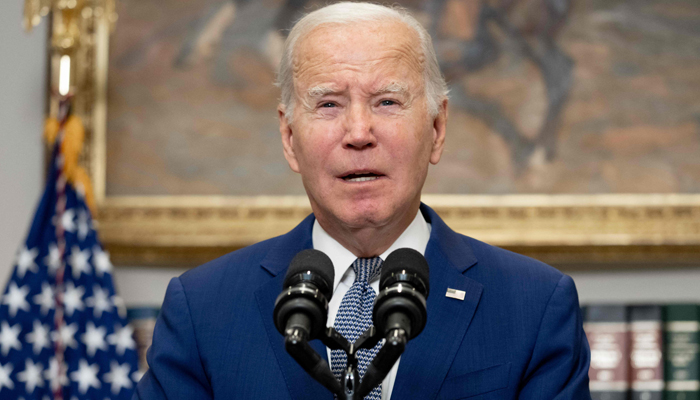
415, 237
369, 241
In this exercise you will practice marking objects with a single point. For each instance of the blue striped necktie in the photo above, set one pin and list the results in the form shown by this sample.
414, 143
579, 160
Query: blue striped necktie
355, 316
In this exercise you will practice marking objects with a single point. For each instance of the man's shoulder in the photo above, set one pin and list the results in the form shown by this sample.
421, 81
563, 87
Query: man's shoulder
517, 288
505, 267
488, 264
500, 257
238, 266
244, 267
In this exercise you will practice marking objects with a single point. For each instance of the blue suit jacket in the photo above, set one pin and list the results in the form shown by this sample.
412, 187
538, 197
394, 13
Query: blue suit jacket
517, 333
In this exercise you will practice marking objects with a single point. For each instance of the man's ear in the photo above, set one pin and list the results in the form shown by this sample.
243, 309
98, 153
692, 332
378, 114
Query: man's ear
439, 130
287, 139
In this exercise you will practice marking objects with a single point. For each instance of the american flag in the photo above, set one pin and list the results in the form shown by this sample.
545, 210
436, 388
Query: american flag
63, 330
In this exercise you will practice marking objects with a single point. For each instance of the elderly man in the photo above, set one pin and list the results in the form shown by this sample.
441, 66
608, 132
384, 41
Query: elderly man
362, 116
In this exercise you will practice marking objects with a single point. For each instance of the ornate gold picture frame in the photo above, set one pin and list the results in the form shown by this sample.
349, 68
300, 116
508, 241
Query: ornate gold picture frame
580, 230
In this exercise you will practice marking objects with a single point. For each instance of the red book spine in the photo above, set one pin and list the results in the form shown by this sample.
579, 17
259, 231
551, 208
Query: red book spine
607, 331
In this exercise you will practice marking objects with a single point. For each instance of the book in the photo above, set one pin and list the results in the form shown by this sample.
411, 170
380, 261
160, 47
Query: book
682, 340
646, 352
607, 331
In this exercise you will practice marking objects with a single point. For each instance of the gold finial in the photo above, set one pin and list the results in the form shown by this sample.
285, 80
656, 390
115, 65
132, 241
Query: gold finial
31, 15
34, 10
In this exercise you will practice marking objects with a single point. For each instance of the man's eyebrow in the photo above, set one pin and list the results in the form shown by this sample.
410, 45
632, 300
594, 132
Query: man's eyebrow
393, 87
320, 91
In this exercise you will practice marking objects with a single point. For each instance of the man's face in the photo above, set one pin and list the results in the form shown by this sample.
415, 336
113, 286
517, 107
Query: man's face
361, 136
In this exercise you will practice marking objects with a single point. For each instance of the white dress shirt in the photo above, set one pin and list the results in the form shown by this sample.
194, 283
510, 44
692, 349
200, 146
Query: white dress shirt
416, 237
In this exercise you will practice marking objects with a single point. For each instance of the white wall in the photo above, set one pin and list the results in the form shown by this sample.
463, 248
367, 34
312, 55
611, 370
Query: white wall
658, 286
22, 96
22, 83
143, 286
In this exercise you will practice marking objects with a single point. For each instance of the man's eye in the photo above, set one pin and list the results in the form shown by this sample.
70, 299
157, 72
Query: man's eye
387, 102
328, 105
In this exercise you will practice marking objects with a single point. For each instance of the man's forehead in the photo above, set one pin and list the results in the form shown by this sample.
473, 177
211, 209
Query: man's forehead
364, 41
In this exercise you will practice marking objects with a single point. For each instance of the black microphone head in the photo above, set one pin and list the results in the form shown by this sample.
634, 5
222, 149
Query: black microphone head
408, 262
396, 307
314, 266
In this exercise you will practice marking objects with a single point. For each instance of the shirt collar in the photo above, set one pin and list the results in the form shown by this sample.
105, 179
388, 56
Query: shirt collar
415, 237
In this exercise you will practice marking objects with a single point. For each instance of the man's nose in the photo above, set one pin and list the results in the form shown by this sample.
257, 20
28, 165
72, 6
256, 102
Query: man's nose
359, 132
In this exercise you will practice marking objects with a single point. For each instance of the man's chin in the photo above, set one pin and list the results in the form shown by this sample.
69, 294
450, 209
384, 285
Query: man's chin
363, 215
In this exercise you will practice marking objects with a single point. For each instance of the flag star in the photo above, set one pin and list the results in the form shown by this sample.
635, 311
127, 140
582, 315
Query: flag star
101, 260
5, 381
137, 375
120, 305
78, 261
118, 376
67, 220
8, 337
25, 261
55, 375
39, 337
83, 225
45, 298
31, 376
53, 259
99, 301
73, 298
66, 334
16, 299
123, 339
94, 338
86, 376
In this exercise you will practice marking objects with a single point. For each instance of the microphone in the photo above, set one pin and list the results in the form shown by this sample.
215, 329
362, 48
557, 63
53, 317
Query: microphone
400, 312
404, 286
301, 312
303, 304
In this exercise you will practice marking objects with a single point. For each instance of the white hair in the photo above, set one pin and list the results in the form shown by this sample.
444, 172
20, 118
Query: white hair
348, 13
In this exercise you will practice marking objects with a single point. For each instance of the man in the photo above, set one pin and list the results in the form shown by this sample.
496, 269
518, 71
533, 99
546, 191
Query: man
363, 113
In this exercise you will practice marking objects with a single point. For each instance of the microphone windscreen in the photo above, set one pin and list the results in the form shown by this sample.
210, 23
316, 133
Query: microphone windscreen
314, 261
409, 260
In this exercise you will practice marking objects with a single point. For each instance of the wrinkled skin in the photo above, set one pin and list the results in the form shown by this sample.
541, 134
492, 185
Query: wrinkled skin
361, 112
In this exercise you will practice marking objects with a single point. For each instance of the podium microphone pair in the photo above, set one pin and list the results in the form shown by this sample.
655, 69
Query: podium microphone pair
301, 314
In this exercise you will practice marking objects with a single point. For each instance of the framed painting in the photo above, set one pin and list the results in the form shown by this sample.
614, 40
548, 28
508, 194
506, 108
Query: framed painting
574, 129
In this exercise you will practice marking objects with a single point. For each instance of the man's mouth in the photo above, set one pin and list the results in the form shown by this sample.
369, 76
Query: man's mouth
360, 177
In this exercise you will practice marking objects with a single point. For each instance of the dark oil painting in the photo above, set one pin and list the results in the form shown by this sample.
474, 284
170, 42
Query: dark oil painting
546, 96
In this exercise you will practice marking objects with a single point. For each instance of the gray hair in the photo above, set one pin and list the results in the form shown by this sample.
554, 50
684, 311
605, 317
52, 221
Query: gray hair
347, 13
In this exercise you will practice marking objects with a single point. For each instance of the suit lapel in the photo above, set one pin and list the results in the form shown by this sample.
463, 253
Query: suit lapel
428, 357
300, 384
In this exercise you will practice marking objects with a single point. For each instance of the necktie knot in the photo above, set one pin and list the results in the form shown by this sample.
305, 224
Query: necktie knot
367, 269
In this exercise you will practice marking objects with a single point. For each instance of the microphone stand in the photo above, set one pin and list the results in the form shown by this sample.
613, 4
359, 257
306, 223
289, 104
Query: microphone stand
349, 387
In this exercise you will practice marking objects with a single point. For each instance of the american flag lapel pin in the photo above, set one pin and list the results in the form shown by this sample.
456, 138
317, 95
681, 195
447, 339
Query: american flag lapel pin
455, 294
